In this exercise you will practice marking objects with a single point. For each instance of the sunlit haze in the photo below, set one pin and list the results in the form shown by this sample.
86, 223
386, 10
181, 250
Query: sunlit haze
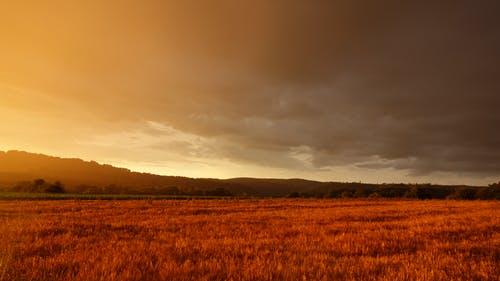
380, 91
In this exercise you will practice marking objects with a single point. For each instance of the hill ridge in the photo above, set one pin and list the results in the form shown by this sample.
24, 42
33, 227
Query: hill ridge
82, 176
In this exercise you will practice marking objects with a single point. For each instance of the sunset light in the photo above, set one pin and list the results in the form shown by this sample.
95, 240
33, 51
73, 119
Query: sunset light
249, 140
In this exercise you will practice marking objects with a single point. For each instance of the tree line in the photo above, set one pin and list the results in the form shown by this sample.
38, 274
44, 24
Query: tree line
410, 191
301, 189
40, 186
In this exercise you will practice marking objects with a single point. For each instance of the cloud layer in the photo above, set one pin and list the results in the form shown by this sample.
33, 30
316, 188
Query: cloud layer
409, 87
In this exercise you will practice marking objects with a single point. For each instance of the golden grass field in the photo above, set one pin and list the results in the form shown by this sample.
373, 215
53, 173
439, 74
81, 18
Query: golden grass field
268, 239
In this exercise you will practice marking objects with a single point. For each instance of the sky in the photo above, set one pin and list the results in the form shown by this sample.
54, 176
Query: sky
371, 91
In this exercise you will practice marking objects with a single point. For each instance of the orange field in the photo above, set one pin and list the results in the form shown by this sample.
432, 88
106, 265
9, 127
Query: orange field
270, 239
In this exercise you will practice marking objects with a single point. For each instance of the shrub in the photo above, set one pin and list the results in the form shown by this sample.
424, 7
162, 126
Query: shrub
218, 192
412, 192
56, 187
347, 194
362, 192
39, 186
491, 192
463, 194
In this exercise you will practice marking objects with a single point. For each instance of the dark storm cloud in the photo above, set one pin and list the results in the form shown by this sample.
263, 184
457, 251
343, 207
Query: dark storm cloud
410, 85
415, 84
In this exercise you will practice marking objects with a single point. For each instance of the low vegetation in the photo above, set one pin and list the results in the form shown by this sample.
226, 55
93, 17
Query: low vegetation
39, 186
412, 191
269, 239
323, 190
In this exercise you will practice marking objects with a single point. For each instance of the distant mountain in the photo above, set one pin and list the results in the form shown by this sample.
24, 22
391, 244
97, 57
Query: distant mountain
89, 176
18, 167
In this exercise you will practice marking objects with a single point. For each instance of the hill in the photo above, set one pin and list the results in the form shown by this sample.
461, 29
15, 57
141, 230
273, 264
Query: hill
19, 168
91, 177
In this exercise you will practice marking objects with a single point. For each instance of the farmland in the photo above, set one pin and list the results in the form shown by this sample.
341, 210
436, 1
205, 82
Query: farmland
265, 239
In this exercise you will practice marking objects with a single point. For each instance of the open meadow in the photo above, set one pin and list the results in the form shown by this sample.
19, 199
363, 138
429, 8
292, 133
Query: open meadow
265, 239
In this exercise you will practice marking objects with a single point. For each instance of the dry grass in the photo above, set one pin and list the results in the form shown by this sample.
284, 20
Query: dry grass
250, 240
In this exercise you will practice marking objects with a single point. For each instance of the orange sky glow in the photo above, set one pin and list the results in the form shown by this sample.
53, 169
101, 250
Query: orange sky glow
333, 91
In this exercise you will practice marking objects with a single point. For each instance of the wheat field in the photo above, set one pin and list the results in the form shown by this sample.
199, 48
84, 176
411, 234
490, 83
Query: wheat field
265, 239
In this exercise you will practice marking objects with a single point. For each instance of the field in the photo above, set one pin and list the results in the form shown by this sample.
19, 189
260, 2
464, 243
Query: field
231, 239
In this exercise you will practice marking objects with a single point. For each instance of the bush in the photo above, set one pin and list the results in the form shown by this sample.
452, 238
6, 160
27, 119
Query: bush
362, 192
40, 186
391, 191
427, 191
491, 192
463, 194
333, 194
218, 192
347, 194
412, 192
56, 187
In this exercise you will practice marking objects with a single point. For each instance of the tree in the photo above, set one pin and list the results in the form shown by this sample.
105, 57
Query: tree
463, 194
219, 191
39, 182
56, 187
